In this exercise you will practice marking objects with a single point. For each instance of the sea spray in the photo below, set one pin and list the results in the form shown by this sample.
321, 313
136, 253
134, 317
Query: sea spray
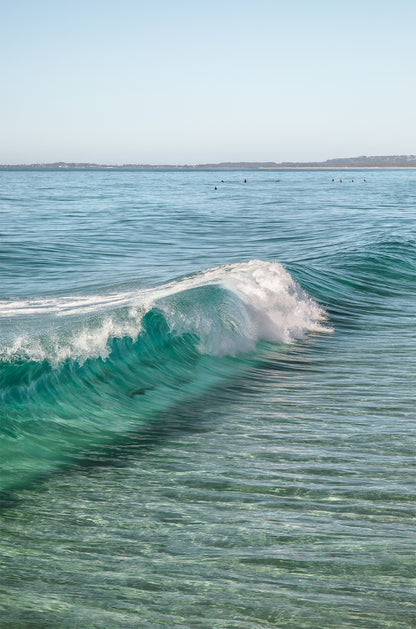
254, 301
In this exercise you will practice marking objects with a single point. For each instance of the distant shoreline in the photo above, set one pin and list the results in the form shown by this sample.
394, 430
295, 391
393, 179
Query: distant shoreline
346, 163
22, 168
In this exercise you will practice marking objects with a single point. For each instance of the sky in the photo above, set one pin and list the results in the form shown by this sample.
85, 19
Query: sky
189, 82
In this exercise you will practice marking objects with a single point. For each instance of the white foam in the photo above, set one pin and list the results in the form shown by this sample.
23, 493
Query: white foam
279, 308
276, 308
267, 305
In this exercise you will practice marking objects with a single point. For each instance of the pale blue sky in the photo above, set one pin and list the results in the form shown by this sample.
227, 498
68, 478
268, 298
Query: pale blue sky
190, 82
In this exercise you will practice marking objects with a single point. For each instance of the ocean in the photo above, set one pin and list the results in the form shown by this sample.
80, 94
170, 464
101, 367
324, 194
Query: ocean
207, 412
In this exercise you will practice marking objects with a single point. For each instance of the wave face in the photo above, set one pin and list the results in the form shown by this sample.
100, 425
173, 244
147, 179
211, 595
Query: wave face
82, 371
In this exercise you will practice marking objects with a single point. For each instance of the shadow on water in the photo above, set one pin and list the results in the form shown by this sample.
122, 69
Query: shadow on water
186, 418
193, 416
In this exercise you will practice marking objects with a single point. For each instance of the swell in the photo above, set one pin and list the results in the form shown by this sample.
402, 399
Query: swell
370, 280
77, 372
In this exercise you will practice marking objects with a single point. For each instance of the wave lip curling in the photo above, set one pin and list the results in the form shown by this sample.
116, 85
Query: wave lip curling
229, 308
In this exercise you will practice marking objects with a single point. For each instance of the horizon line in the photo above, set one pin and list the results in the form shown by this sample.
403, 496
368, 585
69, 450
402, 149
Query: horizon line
408, 160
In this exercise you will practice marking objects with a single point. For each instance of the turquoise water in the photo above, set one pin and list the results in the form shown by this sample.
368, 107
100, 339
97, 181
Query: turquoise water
207, 399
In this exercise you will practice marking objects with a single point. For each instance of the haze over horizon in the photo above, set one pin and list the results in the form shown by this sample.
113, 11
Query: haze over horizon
183, 83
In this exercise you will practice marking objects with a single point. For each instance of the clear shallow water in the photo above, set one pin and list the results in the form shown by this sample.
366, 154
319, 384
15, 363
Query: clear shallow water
205, 449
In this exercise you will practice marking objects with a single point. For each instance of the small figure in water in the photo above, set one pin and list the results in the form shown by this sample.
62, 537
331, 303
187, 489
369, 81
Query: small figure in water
215, 188
245, 180
340, 181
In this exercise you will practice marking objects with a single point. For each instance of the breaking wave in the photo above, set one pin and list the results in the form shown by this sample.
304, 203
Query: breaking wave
76, 372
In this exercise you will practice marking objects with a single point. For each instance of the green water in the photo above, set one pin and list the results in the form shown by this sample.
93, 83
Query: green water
231, 459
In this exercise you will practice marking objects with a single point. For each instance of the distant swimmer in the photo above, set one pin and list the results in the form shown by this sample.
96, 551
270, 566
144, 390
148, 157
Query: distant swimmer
245, 180
333, 180
222, 180
364, 180
340, 181
215, 188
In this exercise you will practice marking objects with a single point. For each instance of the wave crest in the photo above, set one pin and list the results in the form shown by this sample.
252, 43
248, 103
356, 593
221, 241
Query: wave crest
228, 308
